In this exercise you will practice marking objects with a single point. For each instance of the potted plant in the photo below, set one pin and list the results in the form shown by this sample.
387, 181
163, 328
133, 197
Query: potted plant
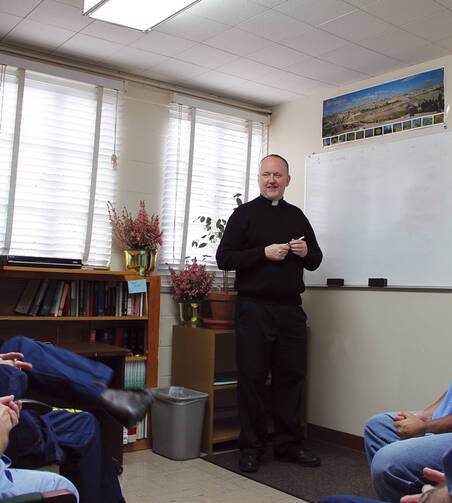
190, 287
140, 237
222, 303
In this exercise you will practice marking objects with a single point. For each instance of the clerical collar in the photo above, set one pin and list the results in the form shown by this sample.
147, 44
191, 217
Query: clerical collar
271, 202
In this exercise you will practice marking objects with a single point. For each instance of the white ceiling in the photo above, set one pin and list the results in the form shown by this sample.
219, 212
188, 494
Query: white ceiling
262, 51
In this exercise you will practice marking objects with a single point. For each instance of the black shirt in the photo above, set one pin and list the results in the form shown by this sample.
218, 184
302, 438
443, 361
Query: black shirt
251, 228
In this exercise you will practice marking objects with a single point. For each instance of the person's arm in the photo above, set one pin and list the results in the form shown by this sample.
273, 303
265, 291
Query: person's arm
15, 360
308, 249
9, 417
436, 477
414, 426
230, 255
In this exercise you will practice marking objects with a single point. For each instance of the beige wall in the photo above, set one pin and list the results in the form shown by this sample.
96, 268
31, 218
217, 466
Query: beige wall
140, 176
370, 351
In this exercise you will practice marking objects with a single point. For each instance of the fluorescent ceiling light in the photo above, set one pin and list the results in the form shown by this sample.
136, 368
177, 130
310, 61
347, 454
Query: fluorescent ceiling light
139, 14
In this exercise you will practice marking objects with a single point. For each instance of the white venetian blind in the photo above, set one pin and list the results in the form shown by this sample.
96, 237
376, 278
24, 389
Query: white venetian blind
211, 156
53, 199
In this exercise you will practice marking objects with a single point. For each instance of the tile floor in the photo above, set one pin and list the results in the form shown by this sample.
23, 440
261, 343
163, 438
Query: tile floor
148, 477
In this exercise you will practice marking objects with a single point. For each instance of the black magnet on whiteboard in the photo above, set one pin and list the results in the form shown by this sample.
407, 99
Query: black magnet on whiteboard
378, 282
335, 282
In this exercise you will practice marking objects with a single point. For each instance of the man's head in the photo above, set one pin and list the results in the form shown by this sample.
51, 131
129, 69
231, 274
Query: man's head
273, 177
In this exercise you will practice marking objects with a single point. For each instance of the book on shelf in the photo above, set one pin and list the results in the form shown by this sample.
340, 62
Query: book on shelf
225, 378
39, 298
63, 299
56, 299
26, 299
49, 295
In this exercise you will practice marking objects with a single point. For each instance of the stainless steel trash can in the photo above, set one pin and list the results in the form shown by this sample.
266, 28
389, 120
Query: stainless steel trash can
177, 418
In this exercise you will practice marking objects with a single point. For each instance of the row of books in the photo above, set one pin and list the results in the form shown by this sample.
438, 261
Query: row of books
138, 432
53, 297
132, 338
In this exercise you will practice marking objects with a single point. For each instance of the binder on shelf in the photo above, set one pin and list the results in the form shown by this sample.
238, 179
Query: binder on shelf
39, 298
48, 298
27, 297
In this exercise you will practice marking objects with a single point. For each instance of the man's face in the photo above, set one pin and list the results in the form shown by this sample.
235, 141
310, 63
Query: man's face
273, 178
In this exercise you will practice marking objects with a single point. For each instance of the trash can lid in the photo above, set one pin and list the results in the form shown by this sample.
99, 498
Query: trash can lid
179, 394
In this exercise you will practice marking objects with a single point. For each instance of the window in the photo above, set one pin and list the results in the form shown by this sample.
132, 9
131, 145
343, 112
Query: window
211, 156
57, 137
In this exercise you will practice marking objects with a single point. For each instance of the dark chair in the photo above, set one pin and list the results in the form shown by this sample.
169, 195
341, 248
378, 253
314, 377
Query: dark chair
60, 496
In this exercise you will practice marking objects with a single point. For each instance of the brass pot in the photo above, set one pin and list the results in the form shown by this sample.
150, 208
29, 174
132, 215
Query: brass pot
141, 261
189, 313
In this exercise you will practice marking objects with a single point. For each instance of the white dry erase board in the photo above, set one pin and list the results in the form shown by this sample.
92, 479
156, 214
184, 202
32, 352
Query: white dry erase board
383, 210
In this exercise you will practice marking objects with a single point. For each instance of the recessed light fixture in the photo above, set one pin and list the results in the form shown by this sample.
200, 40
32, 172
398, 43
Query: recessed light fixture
138, 14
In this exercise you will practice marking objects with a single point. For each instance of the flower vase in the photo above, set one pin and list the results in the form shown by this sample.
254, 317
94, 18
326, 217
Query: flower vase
141, 261
189, 313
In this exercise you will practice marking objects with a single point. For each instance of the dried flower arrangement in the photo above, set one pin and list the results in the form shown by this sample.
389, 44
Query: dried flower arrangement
140, 233
192, 283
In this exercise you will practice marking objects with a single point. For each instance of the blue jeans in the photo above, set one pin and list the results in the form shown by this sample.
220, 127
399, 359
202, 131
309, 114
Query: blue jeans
14, 481
344, 498
396, 465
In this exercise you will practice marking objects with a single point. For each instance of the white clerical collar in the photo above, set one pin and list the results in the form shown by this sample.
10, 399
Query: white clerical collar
275, 203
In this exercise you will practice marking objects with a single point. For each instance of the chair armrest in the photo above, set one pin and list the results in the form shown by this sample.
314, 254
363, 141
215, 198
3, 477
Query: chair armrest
39, 407
59, 496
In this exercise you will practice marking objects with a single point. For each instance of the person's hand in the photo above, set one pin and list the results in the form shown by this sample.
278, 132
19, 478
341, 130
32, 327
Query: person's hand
409, 425
9, 411
299, 247
15, 360
432, 475
277, 252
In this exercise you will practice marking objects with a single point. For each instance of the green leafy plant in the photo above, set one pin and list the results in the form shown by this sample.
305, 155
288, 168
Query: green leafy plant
214, 230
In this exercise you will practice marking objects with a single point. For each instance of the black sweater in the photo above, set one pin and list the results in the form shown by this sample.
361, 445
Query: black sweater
251, 228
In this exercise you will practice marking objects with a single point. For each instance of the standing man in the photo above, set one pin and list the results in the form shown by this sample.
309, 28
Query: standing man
268, 242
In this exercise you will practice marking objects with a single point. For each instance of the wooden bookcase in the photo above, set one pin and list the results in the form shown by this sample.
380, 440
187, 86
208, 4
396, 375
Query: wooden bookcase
72, 332
199, 356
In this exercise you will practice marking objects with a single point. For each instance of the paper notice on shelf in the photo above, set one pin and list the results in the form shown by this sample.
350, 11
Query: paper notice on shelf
137, 286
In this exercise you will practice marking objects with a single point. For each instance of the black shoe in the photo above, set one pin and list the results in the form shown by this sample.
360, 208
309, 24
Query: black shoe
249, 463
302, 457
127, 407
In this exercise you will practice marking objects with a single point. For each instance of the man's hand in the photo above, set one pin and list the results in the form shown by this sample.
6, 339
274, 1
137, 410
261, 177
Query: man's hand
409, 425
15, 360
277, 252
433, 476
9, 411
299, 247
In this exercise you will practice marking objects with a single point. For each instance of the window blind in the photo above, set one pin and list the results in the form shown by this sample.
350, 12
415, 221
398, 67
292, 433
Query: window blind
53, 193
211, 157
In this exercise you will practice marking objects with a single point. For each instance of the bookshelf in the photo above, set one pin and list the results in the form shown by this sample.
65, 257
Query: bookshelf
73, 331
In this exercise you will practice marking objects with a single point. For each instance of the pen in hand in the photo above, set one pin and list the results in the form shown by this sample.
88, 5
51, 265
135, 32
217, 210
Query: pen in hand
299, 239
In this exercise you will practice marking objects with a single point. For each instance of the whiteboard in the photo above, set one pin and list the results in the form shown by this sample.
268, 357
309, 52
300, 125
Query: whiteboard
383, 211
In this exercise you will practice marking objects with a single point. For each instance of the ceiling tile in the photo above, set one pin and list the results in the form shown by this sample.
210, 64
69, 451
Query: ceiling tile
291, 82
88, 48
356, 26
203, 55
393, 42
445, 3
277, 55
315, 42
59, 14
29, 34
433, 28
176, 68
192, 27
162, 43
133, 60
229, 12
446, 43
361, 59
269, 3
274, 26
245, 68
7, 23
238, 42
424, 53
399, 12
112, 32
324, 71
315, 12
75, 3
18, 7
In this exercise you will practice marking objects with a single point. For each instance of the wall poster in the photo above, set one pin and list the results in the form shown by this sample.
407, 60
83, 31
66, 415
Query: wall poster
411, 102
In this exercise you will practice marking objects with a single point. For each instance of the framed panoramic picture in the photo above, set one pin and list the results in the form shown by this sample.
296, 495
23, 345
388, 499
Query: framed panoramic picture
393, 107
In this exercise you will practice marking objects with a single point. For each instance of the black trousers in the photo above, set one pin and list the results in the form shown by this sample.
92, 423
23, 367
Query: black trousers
270, 338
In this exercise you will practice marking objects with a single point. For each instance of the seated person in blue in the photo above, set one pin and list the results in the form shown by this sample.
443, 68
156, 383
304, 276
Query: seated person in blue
14, 482
441, 492
400, 444
66, 377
